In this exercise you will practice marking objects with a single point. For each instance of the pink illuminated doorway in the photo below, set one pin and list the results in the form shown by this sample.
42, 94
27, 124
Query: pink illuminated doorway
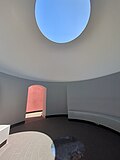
36, 101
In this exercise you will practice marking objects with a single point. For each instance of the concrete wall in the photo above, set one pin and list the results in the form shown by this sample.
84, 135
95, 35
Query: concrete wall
56, 98
96, 100
13, 98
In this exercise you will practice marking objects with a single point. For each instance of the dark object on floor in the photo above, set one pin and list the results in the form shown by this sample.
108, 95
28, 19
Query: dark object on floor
68, 148
3, 143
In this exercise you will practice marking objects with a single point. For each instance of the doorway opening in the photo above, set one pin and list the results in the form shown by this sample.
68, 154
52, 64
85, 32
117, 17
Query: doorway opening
36, 101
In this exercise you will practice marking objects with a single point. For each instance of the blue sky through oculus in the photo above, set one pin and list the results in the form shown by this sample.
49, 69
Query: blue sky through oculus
62, 21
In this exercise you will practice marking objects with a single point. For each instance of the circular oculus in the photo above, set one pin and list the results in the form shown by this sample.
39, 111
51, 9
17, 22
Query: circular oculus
62, 21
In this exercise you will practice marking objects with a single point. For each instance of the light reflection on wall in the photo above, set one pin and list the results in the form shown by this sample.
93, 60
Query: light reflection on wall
36, 98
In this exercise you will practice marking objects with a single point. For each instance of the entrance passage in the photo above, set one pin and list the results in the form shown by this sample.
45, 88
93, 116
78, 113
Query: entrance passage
36, 100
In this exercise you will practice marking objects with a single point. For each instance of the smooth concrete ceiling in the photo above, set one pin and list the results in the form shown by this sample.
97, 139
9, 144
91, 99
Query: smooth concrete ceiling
25, 52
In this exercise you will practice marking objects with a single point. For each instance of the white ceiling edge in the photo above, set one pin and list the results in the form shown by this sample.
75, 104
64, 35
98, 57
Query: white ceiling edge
9, 73
26, 53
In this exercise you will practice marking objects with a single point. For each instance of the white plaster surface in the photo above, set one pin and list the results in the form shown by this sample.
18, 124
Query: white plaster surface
4, 132
25, 52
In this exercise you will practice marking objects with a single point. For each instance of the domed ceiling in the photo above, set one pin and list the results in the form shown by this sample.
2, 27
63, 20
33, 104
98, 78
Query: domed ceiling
26, 53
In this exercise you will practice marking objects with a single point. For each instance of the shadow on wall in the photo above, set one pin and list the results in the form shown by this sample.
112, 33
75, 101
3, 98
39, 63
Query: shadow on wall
36, 99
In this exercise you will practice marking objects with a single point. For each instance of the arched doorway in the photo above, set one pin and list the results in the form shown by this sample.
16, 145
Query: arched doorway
36, 101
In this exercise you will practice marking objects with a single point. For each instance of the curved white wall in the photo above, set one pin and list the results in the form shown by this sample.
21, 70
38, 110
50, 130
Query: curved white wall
96, 100
13, 98
24, 51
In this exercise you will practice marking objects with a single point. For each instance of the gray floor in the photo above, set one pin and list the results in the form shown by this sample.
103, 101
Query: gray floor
100, 143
